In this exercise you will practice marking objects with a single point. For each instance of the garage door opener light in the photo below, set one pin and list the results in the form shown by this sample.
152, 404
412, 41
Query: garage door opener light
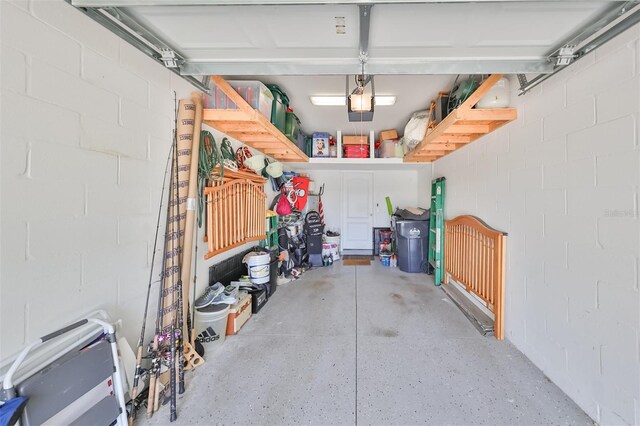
360, 105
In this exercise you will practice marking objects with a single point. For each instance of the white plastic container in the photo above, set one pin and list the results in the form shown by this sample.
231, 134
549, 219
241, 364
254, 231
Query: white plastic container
399, 149
258, 266
333, 240
211, 326
388, 149
498, 96
254, 92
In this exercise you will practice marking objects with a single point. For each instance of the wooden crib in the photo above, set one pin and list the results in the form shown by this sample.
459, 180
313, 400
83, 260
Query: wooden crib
474, 257
236, 214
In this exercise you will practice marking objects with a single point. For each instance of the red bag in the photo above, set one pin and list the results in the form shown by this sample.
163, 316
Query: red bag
301, 187
284, 207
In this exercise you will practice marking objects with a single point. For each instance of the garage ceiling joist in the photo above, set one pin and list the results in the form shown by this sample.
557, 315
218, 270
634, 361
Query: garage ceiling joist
375, 67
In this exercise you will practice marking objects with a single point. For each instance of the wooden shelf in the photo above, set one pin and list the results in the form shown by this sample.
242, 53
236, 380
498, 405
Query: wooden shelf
344, 160
357, 164
248, 126
462, 126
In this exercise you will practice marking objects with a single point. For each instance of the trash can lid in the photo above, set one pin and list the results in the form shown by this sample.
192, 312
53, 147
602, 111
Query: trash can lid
213, 308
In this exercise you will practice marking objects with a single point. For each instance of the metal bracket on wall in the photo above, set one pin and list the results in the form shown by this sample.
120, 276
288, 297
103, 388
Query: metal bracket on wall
522, 79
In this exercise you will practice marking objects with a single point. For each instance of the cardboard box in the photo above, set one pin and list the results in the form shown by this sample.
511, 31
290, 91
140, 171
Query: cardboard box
355, 140
387, 135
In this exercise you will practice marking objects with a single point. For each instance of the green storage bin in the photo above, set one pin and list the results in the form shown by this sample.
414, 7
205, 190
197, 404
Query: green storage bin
292, 126
308, 145
279, 108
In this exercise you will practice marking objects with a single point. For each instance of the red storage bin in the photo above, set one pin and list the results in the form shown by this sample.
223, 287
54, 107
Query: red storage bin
356, 151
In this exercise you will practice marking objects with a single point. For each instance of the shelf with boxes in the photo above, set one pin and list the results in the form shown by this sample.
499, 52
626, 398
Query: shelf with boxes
244, 118
356, 149
462, 126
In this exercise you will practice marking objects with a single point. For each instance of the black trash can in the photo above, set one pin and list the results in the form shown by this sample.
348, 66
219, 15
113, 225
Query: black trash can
412, 242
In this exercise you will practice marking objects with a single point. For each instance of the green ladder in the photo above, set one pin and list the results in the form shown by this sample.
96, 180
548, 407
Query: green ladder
271, 240
436, 229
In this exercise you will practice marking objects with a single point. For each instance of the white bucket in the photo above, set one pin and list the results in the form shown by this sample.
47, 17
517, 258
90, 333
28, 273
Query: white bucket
211, 326
258, 266
332, 240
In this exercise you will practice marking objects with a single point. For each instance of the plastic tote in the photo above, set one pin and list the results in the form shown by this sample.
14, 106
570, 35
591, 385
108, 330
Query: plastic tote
211, 326
279, 107
254, 92
258, 265
292, 126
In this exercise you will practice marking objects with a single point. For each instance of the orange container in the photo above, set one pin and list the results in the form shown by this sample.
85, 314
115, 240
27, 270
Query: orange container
239, 313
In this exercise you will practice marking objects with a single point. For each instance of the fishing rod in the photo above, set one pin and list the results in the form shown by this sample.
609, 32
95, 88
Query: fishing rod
180, 358
154, 371
153, 400
172, 336
138, 370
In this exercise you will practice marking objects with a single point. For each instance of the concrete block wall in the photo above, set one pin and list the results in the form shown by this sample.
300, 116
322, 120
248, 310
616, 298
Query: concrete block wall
563, 181
86, 129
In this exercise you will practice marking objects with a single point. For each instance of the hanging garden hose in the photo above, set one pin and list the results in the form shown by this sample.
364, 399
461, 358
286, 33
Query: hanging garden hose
228, 157
209, 158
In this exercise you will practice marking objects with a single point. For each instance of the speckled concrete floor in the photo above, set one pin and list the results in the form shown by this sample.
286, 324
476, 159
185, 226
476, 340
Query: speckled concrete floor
367, 345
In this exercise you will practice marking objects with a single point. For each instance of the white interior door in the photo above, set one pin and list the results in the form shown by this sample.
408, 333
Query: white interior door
357, 210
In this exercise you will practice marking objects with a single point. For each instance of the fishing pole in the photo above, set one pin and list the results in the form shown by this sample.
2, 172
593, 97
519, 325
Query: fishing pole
138, 370
172, 337
152, 399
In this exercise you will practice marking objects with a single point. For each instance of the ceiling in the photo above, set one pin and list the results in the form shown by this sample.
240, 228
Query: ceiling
413, 47
404, 38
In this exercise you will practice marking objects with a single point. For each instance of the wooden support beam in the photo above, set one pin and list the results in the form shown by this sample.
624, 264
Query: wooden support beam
468, 129
451, 139
431, 153
254, 137
502, 114
237, 126
225, 115
421, 159
441, 147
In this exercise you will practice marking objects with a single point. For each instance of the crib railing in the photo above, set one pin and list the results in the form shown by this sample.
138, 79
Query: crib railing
475, 258
236, 214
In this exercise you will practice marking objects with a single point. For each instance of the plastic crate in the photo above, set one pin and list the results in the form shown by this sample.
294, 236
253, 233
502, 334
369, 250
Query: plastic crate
279, 107
301, 142
254, 92
292, 126
356, 151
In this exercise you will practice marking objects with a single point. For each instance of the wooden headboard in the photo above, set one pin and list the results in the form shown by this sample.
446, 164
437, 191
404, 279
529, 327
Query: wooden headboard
474, 256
